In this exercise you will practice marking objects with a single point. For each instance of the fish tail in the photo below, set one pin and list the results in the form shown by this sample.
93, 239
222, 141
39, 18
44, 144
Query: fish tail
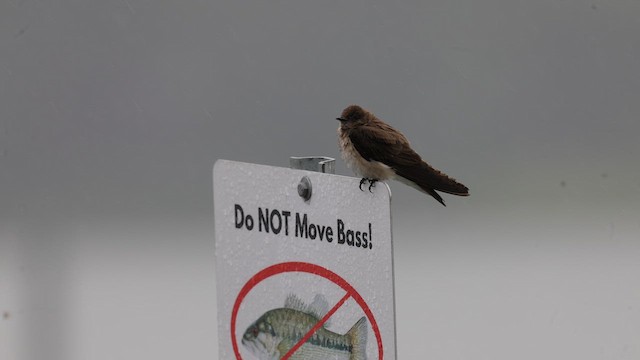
358, 339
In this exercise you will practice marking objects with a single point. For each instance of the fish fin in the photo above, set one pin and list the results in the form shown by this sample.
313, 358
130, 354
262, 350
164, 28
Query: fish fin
284, 346
295, 303
358, 339
318, 308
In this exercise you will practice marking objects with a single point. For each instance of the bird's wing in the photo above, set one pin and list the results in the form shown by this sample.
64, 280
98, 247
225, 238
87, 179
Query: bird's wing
383, 144
380, 142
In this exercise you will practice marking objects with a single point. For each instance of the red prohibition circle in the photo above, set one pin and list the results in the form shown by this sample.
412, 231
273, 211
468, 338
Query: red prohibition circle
306, 268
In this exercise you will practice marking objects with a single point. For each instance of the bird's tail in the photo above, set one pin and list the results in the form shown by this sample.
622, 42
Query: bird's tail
427, 179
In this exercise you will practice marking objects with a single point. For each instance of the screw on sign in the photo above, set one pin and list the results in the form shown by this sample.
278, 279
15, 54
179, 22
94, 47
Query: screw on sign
288, 267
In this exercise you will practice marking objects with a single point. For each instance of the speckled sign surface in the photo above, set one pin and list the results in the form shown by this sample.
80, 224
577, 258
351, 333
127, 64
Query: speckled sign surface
302, 279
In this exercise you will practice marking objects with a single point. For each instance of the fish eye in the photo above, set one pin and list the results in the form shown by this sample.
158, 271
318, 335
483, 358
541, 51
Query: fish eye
252, 331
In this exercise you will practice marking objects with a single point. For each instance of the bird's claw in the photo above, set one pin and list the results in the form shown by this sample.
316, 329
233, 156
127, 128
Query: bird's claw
372, 183
362, 182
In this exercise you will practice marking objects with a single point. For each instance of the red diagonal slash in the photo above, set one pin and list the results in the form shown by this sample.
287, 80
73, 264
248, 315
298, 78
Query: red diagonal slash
316, 327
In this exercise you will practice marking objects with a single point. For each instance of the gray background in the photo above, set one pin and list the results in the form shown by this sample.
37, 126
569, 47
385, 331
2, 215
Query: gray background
112, 114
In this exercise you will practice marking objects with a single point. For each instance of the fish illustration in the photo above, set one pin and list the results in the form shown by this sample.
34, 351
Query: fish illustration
278, 330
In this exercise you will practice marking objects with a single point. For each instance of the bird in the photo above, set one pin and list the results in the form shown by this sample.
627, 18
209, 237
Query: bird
376, 151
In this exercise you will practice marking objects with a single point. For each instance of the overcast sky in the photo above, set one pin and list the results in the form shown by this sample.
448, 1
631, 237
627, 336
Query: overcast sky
112, 114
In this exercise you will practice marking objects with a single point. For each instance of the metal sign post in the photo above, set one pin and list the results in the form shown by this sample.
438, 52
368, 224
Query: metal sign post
304, 263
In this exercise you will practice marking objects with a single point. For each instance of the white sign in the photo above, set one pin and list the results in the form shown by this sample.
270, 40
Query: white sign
302, 279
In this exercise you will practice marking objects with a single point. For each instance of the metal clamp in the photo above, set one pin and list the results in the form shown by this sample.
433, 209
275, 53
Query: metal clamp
323, 164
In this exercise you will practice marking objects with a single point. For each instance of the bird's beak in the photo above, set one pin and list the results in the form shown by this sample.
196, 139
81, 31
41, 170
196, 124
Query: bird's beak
341, 119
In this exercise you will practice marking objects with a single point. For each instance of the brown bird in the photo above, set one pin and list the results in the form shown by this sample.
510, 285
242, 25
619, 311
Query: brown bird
376, 151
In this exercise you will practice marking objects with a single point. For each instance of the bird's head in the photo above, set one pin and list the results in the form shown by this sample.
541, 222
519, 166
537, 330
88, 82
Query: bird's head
353, 115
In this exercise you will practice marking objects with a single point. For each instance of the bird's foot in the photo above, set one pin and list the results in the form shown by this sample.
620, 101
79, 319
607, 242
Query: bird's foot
362, 182
372, 183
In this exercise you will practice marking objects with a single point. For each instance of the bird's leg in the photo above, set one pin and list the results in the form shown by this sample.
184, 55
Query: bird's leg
372, 183
362, 182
